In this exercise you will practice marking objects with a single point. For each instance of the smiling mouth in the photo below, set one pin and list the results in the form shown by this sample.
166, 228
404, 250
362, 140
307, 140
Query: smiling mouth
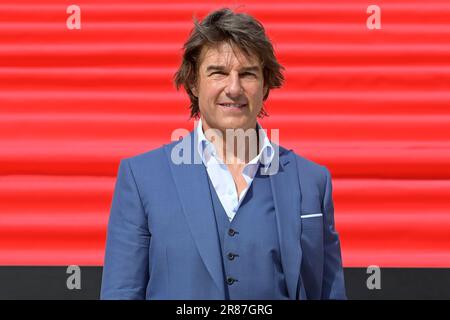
233, 105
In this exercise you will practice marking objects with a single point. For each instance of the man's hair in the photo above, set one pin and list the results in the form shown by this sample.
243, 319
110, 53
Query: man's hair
239, 30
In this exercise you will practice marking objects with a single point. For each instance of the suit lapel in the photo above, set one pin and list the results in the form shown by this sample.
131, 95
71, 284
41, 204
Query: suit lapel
193, 191
287, 198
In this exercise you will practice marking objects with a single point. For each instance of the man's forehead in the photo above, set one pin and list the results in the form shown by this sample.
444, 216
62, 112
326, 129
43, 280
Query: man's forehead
223, 55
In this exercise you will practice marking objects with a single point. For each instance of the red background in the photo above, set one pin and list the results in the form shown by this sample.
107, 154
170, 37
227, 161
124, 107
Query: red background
371, 105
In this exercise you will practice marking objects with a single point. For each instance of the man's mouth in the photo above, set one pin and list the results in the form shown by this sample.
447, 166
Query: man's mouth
233, 105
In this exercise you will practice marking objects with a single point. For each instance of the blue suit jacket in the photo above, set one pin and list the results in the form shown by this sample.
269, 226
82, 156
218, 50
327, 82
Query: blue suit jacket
162, 238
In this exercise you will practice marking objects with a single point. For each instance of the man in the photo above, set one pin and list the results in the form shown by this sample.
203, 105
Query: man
234, 225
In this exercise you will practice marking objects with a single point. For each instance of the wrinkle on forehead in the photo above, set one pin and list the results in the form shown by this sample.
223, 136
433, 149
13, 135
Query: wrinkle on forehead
228, 56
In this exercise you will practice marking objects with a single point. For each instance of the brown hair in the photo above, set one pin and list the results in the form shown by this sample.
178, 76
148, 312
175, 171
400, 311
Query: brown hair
238, 29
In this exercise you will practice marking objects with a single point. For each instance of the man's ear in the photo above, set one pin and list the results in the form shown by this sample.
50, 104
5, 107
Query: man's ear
194, 91
265, 90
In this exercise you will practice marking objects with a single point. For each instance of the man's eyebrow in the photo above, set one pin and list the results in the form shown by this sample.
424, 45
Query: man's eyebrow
222, 68
214, 68
253, 68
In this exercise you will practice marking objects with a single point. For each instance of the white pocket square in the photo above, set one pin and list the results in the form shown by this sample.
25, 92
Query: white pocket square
311, 215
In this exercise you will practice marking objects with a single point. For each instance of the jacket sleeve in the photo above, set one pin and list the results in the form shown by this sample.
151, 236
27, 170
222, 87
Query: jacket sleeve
125, 270
333, 286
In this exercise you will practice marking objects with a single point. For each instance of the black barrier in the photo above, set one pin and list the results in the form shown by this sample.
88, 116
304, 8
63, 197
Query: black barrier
26, 282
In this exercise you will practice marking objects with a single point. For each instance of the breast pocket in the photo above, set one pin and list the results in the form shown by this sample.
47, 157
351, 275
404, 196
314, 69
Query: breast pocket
312, 220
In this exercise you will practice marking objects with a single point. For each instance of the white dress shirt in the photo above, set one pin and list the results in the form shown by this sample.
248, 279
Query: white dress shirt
221, 177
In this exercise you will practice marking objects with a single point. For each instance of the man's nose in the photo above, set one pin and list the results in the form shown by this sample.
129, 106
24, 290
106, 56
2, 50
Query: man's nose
234, 88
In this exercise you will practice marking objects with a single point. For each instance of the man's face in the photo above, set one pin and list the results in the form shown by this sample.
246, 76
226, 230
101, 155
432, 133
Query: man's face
230, 88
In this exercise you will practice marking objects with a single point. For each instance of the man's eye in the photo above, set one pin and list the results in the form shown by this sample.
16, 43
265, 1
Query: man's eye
217, 72
249, 74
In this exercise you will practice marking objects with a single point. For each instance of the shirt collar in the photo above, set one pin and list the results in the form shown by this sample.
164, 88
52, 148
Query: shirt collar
207, 150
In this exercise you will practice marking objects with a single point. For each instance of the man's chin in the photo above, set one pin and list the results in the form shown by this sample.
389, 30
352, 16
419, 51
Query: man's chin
237, 125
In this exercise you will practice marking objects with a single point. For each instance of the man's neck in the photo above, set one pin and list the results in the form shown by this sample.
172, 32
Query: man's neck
229, 146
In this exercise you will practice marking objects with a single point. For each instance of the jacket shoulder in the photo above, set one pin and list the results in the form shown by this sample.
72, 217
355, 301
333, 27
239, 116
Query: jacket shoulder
151, 156
308, 169
152, 163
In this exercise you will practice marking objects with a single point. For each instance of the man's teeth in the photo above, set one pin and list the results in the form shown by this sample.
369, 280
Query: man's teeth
234, 105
